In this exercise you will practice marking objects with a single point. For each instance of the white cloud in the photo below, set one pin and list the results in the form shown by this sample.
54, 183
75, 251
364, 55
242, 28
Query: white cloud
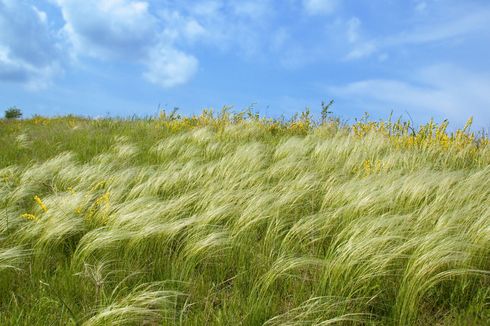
470, 22
453, 27
443, 91
353, 26
41, 15
207, 8
128, 30
250, 8
168, 67
320, 7
193, 30
243, 28
180, 28
360, 47
361, 50
420, 6
155, 35
29, 49
34, 77
108, 28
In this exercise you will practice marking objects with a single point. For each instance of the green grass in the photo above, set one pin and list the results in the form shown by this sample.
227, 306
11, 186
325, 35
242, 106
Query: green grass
233, 219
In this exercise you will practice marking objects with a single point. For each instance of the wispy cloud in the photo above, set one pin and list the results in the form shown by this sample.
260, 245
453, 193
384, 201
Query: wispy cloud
444, 91
467, 22
420, 6
320, 7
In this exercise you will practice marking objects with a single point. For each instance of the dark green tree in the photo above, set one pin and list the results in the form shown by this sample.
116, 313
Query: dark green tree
13, 113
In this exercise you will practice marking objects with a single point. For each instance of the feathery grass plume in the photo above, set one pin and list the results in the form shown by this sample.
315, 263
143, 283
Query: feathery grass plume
45, 171
283, 267
23, 140
123, 150
324, 311
61, 225
202, 250
145, 304
440, 256
257, 220
12, 258
100, 241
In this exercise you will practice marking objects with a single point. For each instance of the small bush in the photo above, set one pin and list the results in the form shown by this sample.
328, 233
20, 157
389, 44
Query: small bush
13, 113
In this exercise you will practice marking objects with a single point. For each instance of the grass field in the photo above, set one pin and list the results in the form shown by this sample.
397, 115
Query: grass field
233, 219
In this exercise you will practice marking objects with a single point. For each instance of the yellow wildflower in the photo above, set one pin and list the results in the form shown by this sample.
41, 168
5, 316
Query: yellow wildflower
99, 185
367, 167
40, 203
30, 217
103, 199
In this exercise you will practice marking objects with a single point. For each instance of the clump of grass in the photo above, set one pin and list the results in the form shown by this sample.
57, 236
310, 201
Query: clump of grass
223, 218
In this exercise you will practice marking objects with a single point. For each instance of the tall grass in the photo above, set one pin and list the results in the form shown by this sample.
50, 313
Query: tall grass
236, 219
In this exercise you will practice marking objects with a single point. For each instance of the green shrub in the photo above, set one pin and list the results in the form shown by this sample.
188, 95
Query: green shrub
13, 113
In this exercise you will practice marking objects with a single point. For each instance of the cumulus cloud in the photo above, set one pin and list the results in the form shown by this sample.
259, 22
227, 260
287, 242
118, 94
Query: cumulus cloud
241, 27
33, 53
169, 67
29, 50
320, 7
180, 28
129, 30
157, 36
108, 28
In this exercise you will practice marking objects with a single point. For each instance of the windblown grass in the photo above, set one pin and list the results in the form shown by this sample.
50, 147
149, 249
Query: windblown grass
234, 219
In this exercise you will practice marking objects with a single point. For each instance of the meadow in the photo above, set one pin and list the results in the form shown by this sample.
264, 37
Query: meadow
236, 219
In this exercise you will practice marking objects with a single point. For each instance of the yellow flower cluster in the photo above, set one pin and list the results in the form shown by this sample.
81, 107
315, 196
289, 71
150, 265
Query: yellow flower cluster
299, 127
371, 167
40, 203
38, 120
361, 129
175, 123
402, 134
274, 127
104, 199
430, 135
30, 217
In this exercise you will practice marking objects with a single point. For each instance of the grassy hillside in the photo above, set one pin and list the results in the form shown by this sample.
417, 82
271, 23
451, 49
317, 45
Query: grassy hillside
234, 219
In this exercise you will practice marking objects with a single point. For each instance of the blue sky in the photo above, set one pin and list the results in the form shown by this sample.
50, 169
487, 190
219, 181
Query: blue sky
125, 57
